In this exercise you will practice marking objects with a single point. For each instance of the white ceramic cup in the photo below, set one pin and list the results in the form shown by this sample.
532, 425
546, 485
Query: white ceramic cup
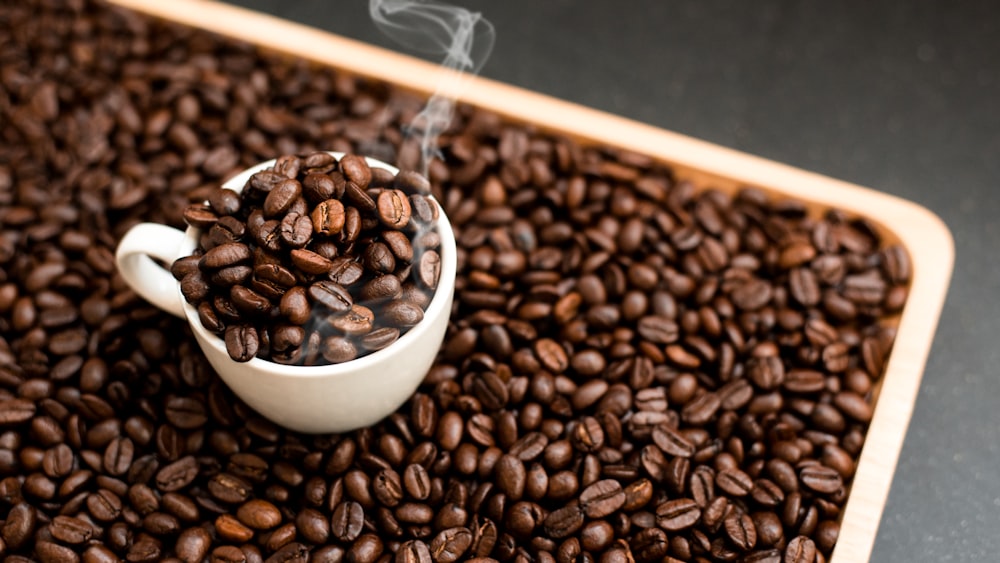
313, 399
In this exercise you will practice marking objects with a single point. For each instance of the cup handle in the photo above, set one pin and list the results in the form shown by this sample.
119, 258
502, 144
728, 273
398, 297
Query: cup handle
147, 278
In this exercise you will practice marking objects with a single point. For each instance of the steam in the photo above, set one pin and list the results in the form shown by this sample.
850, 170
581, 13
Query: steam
463, 38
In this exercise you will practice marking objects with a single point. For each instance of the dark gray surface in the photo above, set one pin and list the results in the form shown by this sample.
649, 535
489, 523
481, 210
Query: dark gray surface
902, 96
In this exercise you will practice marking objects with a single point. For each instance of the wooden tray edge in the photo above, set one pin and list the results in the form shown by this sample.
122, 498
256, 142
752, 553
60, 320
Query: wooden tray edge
920, 231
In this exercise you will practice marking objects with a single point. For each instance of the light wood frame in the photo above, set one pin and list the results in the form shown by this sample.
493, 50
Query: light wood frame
924, 235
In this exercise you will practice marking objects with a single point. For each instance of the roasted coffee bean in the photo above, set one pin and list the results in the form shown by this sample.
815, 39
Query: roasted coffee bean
381, 288
296, 230
800, 549
377, 257
356, 321
450, 545
259, 514
70, 530
295, 306
281, 197
16, 411
379, 338
193, 544
401, 246
339, 349
242, 342
429, 269
741, 531
564, 521
393, 209
402, 314
671, 442
104, 505
734, 482
804, 381
318, 187
820, 478
226, 255
177, 475
328, 217
331, 295
118, 456
677, 514
347, 521
602, 498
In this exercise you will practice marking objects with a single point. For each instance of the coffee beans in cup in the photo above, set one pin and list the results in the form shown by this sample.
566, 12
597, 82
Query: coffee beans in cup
318, 260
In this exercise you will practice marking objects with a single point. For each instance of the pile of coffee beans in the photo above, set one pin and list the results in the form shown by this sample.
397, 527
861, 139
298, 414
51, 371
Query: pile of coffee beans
637, 369
315, 261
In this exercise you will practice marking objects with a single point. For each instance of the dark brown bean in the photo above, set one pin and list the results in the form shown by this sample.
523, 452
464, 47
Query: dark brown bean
677, 514
602, 498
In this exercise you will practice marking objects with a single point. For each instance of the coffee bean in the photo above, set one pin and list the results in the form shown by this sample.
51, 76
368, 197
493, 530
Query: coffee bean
564, 521
429, 269
602, 498
296, 229
242, 342
49, 552
401, 246
853, 405
338, 349
259, 514
318, 187
701, 409
450, 544
658, 329
511, 476
393, 209
677, 514
347, 521
272, 280
70, 530
381, 288
310, 262
820, 478
800, 550
328, 217
804, 381
379, 338
290, 553
16, 411
104, 505
225, 255
356, 321
19, 525
671, 442
402, 313
345, 271
193, 544
249, 302
387, 487
331, 295
118, 456
295, 307
177, 475
766, 372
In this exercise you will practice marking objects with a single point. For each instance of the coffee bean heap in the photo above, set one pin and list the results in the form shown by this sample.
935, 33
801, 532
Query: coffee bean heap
314, 260
637, 369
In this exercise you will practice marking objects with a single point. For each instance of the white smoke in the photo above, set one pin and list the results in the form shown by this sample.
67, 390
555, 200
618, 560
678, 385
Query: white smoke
463, 38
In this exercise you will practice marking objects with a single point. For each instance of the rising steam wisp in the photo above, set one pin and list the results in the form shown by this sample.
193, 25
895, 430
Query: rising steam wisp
463, 38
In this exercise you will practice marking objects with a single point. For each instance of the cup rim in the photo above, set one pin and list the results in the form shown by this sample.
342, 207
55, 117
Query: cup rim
439, 305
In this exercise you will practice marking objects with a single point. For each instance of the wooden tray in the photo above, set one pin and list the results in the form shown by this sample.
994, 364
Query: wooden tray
924, 235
